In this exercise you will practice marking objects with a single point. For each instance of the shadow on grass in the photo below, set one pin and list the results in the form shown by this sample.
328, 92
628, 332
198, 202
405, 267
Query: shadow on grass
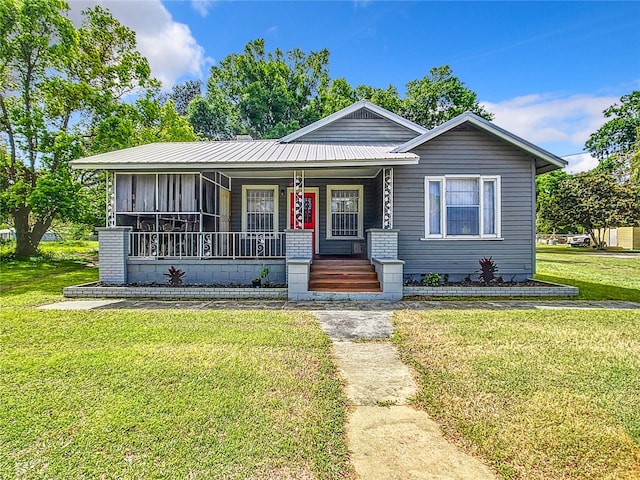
595, 291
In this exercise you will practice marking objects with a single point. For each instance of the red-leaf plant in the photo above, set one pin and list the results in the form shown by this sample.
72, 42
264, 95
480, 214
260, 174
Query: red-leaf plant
175, 276
488, 269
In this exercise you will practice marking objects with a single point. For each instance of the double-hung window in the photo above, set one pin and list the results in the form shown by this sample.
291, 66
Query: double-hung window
344, 212
260, 208
466, 207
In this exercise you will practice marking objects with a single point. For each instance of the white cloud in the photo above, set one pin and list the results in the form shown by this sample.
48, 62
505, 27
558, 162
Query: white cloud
549, 118
580, 162
202, 6
169, 46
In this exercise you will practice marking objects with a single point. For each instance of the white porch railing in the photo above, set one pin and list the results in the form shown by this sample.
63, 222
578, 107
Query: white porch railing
207, 244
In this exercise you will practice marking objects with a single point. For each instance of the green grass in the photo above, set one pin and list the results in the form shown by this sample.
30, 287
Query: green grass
161, 394
41, 279
548, 394
599, 276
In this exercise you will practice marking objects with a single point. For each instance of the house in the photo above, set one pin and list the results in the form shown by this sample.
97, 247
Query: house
359, 200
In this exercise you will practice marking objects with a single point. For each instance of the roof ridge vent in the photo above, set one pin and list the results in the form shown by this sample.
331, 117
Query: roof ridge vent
243, 138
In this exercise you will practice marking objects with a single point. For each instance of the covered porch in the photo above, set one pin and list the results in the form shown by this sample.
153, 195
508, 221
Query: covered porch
223, 227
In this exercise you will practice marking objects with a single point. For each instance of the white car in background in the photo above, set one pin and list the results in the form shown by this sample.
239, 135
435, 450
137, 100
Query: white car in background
579, 241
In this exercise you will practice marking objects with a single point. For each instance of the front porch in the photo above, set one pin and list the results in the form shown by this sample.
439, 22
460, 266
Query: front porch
226, 228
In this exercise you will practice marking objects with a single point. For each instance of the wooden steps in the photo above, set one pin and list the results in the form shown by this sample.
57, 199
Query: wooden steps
343, 275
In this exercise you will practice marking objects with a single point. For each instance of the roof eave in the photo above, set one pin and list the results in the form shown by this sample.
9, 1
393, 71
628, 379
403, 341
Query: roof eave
413, 160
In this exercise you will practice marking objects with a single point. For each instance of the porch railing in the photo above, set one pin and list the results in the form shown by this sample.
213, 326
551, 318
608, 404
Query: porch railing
207, 244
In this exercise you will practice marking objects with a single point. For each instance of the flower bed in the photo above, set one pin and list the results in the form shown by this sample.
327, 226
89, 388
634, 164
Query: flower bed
97, 290
529, 288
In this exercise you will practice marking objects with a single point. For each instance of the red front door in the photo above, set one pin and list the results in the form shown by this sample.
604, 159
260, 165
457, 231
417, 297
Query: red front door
308, 216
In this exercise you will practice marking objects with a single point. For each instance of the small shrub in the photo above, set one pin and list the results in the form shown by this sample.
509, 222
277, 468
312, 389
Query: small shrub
175, 276
432, 279
264, 272
488, 269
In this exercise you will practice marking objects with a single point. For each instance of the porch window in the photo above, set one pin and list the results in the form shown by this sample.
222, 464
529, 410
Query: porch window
344, 212
260, 208
465, 207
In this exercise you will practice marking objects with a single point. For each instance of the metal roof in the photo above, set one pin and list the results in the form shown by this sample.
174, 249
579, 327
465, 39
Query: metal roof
247, 154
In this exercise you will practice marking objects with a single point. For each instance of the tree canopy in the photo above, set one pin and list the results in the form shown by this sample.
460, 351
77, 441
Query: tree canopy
616, 142
271, 94
594, 200
62, 96
438, 97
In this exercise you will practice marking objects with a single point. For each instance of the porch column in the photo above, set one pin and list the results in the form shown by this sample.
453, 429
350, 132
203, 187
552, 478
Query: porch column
113, 252
382, 243
299, 256
298, 200
382, 250
111, 200
387, 198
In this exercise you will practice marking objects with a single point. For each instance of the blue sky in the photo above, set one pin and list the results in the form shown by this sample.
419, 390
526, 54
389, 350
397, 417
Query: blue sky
545, 69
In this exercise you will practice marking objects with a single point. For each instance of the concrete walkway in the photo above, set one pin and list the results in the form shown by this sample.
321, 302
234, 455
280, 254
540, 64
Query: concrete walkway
387, 438
353, 307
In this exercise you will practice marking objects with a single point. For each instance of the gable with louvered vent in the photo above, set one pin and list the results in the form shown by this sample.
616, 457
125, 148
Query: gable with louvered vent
360, 126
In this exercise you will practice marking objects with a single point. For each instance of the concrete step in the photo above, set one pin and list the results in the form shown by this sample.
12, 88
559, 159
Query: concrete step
342, 275
342, 268
350, 285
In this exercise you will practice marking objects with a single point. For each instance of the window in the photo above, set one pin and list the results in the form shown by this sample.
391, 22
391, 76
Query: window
259, 208
344, 212
462, 207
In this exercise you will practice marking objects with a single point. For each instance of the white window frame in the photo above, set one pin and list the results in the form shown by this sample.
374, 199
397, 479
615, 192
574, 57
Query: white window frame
360, 189
245, 188
442, 179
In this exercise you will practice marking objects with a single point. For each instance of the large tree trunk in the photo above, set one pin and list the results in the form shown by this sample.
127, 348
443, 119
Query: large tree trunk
28, 239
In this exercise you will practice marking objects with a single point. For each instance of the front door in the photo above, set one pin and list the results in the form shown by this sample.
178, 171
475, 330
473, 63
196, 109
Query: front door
308, 216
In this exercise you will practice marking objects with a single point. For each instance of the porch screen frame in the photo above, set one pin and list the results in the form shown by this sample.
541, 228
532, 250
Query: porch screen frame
217, 179
360, 213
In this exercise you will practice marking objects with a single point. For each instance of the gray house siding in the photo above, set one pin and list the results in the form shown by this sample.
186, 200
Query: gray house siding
371, 206
360, 129
467, 151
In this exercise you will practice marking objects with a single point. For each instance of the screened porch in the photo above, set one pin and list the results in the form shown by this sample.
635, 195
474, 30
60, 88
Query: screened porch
178, 215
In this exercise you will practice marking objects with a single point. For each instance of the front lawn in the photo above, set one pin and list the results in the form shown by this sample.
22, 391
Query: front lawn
550, 394
599, 275
161, 394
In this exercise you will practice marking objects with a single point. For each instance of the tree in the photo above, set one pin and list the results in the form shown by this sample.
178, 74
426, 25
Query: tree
339, 94
596, 201
183, 94
635, 160
269, 93
615, 143
439, 97
548, 218
212, 118
57, 81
